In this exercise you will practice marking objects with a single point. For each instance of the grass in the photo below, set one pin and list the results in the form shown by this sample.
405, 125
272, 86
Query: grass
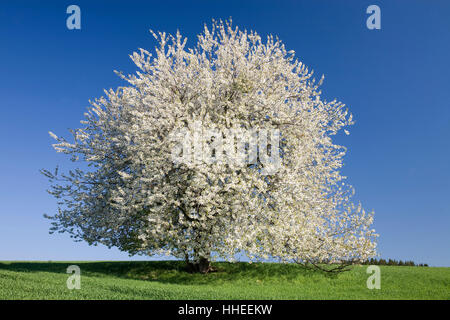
168, 280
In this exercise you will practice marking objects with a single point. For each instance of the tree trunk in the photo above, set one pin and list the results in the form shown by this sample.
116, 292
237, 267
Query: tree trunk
203, 265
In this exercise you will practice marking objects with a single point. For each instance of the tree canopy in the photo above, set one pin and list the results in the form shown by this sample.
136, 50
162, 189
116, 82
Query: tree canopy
130, 192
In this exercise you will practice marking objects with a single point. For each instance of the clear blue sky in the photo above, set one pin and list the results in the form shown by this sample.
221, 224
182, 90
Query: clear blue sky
394, 80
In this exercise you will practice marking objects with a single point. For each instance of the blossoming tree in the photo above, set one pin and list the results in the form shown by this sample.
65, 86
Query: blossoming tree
128, 191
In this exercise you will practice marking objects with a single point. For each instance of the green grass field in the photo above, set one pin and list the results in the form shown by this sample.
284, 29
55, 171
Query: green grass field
168, 280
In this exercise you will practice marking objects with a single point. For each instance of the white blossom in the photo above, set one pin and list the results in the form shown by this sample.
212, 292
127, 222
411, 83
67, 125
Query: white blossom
132, 194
